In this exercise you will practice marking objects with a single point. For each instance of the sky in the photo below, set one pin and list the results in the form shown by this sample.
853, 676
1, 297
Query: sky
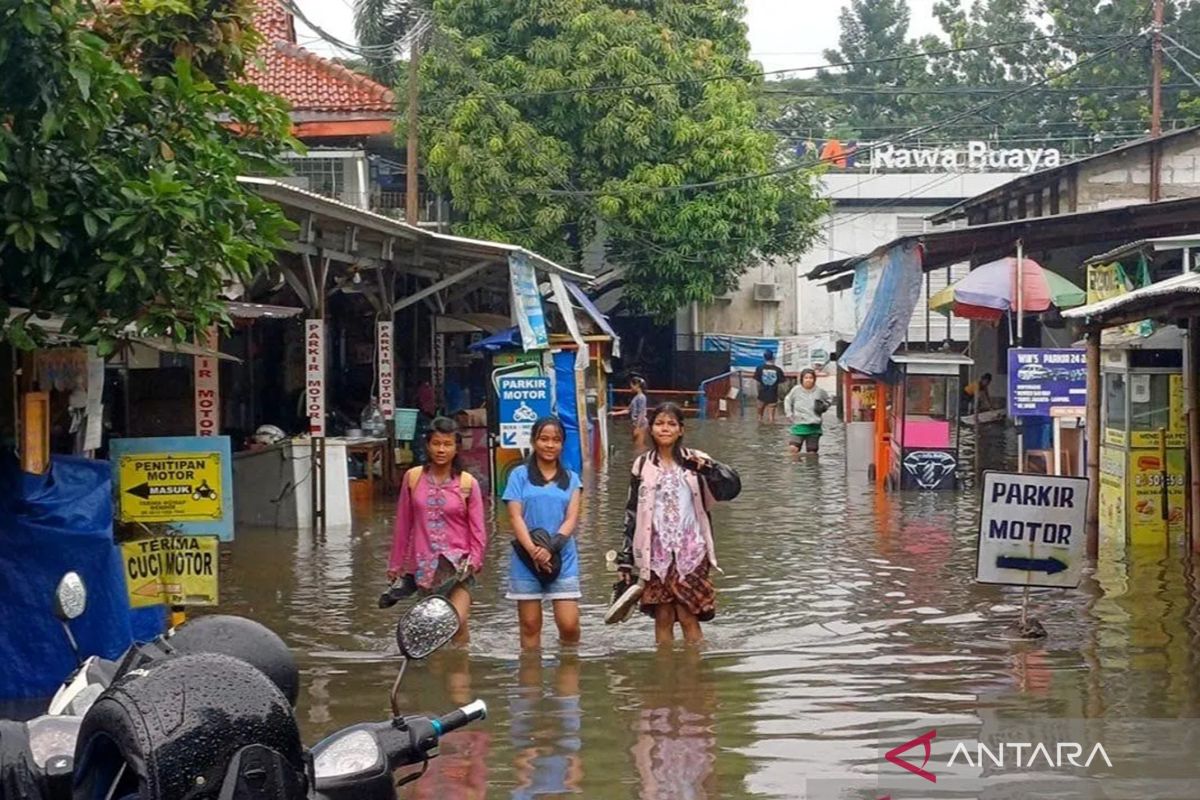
783, 33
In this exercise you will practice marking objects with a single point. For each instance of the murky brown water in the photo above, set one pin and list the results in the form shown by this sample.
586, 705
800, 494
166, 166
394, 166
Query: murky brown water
848, 622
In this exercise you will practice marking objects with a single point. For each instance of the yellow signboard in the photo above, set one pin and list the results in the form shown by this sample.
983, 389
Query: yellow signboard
1112, 493
1148, 524
170, 487
171, 570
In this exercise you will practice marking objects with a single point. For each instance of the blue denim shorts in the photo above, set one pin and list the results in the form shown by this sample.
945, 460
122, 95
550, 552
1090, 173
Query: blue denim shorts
523, 585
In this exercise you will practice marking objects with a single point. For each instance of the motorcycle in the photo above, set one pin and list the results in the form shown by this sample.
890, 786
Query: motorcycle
211, 726
235, 636
37, 757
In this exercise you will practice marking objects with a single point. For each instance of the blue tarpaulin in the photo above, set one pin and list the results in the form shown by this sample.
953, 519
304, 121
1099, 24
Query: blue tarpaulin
885, 325
500, 340
564, 397
49, 525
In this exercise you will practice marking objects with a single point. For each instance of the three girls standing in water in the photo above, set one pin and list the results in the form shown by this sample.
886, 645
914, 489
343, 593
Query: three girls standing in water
668, 536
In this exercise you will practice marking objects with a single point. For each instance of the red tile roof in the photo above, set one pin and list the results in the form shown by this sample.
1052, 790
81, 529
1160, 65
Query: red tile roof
306, 80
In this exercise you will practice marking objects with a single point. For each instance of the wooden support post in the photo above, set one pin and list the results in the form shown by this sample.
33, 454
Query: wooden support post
1095, 392
35, 432
1191, 377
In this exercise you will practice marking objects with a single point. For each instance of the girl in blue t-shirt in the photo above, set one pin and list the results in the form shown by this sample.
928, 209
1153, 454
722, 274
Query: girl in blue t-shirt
544, 495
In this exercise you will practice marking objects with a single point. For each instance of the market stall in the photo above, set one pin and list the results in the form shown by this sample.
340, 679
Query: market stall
923, 430
1143, 460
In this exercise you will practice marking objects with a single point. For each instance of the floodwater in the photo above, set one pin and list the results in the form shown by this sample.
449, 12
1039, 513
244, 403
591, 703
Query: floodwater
848, 623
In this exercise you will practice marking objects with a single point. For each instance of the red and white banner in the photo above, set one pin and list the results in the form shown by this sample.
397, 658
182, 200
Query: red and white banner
314, 369
207, 382
387, 382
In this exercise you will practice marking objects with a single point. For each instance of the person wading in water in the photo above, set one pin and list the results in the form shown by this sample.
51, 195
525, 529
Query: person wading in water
668, 533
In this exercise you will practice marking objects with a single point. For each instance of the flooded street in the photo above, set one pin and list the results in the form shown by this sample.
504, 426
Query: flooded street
847, 623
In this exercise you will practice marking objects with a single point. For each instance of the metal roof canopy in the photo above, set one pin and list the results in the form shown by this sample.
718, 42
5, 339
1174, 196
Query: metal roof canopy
1174, 297
1163, 244
1027, 183
977, 242
922, 364
359, 240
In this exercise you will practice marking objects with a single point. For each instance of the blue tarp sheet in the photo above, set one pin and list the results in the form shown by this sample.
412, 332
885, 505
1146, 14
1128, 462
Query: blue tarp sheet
500, 340
885, 325
49, 525
564, 397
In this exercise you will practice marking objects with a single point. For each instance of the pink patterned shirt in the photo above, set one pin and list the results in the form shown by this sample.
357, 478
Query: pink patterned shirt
676, 533
433, 522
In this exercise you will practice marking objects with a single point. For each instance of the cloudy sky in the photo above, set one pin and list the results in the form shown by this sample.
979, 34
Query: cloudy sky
783, 33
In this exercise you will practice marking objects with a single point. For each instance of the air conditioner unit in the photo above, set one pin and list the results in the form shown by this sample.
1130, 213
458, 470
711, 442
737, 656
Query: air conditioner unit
724, 297
767, 293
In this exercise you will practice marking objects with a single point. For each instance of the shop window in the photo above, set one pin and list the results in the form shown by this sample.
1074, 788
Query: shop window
1149, 402
929, 396
1114, 401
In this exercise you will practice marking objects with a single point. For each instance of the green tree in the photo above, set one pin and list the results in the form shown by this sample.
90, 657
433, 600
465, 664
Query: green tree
872, 31
381, 26
123, 137
1087, 28
523, 127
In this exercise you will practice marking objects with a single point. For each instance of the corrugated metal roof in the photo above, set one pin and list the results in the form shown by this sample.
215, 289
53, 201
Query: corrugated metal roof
434, 243
1152, 297
1043, 176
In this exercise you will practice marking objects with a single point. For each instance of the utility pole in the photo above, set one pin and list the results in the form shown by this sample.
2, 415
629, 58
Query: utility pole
1156, 101
412, 183
1157, 68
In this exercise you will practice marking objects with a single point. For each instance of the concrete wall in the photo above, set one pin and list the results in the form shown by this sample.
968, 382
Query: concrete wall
869, 210
1124, 179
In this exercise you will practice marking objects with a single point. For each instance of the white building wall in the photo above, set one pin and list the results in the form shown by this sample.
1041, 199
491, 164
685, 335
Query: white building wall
869, 210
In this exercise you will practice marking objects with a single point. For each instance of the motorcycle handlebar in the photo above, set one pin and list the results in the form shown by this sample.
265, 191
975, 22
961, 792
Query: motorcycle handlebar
469, 713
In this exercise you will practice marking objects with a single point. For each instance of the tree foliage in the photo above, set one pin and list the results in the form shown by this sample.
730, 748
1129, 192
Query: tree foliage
381, 26
522, 125
1093, 106
124, 132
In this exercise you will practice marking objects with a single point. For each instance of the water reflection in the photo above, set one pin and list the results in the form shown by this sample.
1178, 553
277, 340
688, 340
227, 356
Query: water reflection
676, 744
461, 769
546, 721
848, 621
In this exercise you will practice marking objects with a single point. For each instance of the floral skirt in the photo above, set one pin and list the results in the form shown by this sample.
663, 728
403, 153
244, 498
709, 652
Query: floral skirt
695, 592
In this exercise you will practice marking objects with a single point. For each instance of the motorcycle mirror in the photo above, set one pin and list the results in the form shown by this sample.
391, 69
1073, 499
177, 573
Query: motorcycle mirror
70, 598
427, 626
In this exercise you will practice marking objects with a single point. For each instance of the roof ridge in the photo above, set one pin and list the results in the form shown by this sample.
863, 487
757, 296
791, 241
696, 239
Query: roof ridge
336, 70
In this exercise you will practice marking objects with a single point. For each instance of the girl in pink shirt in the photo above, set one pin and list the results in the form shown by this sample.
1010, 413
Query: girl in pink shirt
440, 537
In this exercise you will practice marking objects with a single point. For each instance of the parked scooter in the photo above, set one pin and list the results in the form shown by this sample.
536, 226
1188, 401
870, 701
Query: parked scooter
218, 633
208, 726
37, 757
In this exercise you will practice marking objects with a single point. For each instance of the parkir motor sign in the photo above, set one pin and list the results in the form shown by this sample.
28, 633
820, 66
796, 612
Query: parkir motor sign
170, 487
173, 570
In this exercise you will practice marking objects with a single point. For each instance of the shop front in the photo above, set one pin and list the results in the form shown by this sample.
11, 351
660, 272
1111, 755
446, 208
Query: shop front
1143, 459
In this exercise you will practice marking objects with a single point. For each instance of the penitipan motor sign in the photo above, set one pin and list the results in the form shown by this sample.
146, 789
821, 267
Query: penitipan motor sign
184, 481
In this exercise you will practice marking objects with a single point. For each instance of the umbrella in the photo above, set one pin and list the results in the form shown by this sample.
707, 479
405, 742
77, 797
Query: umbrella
990, 290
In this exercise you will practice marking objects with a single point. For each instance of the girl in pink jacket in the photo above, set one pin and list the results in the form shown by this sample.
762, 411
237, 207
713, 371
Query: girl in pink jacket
668, 532
440, 536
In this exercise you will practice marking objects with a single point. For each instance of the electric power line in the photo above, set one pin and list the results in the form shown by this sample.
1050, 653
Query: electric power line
912, 133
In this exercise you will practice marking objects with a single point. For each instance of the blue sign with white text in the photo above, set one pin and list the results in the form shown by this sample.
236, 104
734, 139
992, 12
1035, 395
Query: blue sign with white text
1041, 380
523, 401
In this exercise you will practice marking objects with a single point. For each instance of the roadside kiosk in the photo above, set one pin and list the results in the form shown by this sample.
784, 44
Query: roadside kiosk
859, 395
1143, 478
923, 438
